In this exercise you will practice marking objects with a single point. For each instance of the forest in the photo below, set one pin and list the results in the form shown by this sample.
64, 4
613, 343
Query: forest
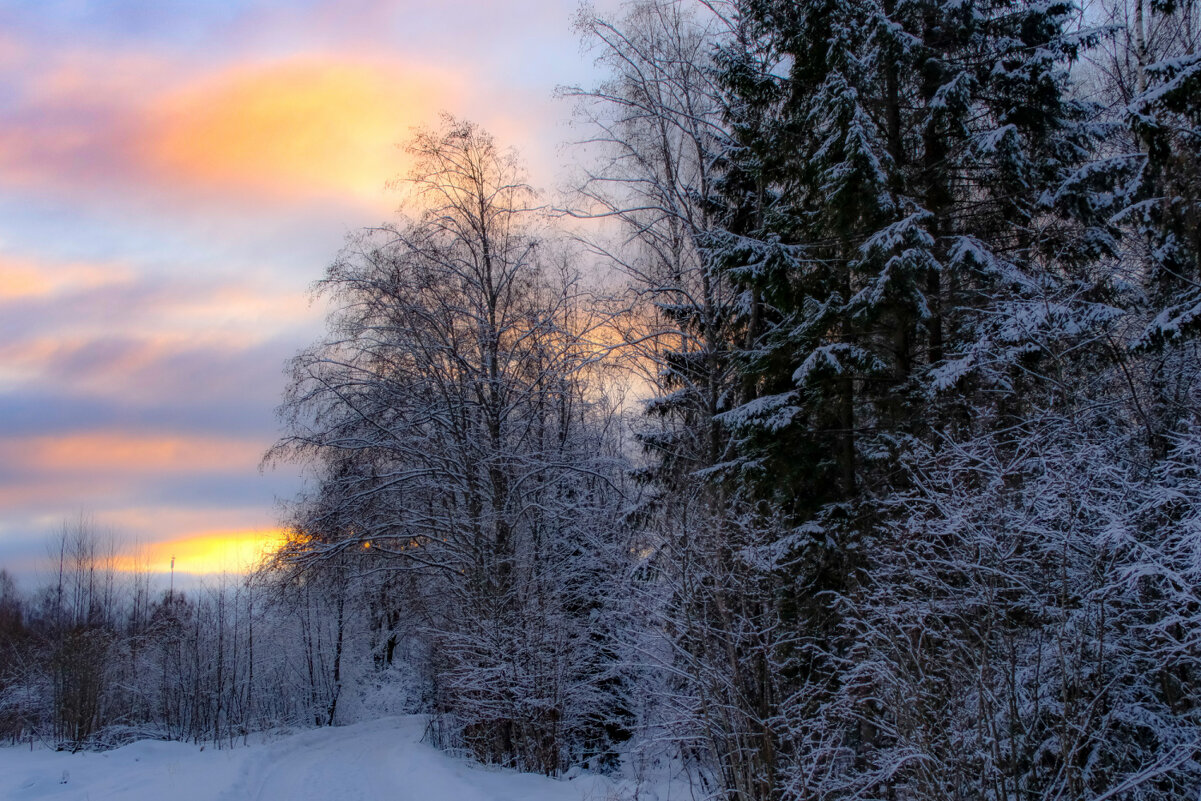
835, 435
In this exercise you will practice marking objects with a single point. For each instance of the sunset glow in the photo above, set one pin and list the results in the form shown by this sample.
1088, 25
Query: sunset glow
205, 553
308, 126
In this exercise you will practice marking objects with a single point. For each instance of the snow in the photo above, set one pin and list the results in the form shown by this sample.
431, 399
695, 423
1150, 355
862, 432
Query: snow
381, 759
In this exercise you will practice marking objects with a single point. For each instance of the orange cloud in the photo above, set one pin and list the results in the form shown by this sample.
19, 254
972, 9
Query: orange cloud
24, 279
116, 452
234, 551
317, 126
305, 127
251, 312
165, 313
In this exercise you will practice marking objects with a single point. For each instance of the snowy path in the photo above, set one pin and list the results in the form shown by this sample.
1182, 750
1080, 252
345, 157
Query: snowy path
365, 762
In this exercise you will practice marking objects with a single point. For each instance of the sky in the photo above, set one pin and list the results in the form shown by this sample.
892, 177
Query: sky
173, 178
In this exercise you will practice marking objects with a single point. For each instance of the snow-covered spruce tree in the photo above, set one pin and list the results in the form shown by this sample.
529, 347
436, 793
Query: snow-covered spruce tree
927, 244
654, 131
809, 168
929, 148
1159, 201
455, 407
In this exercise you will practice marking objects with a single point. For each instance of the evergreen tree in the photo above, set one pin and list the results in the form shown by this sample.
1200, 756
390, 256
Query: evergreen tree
927, 253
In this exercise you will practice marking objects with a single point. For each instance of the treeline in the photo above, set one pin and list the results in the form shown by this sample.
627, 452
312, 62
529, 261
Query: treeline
97, 658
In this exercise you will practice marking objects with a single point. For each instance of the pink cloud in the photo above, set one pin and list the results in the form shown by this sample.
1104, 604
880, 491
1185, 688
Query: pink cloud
130, 452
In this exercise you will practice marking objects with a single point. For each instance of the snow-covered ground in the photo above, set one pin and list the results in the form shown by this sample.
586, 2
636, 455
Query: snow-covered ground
380, 760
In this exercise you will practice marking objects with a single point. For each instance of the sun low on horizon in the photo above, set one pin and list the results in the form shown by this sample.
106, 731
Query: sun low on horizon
204, 553
173, 180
